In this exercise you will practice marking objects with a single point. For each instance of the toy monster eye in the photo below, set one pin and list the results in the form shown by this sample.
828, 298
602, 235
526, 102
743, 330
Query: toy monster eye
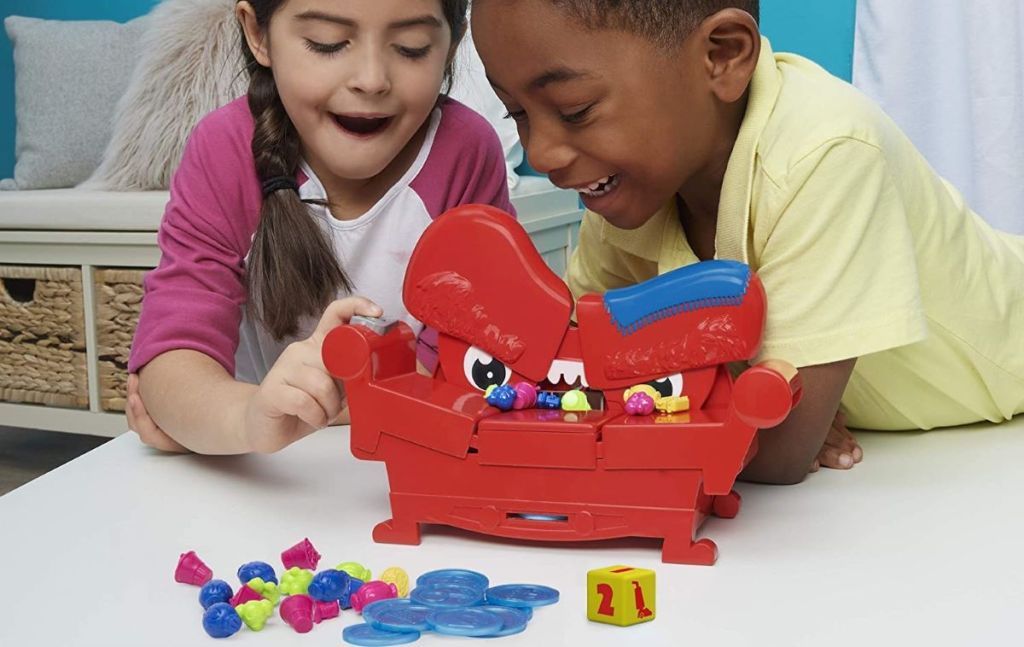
669, 386
483, 371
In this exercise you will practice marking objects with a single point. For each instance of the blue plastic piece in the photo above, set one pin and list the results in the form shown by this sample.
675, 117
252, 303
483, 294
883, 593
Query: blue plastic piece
470, 621
329, 585
397, 614
502, 397
353, 585
701, 285
446, 596
213, 592
515, 619
221, 620
364, 634
460, 576
549, 400
522, 595
262, 570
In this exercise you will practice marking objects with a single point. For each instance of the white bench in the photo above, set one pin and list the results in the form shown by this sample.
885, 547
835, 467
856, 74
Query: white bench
92, 230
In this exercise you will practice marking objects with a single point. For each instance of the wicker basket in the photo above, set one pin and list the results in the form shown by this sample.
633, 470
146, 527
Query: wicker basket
118, 301
42, 336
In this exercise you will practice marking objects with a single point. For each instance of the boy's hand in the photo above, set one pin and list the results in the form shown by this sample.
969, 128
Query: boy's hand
298, 395
140, 422
840, 450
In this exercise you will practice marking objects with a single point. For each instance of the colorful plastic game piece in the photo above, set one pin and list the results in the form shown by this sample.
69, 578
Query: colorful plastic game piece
221, 620
297, 612
446, 596
255, 613
192, 570
470, 621
325, 610
354, 584
514, 619
502, 397
295, 581
262, 570
453, 459
244, 594
651, 392
672, 404
301, 555
459, 576
374, 590
364, 634
213, 592
639, 404
549, 400
398, 577
356, 570
522, 595
575, 400
329, 585
397, 614
621, 595
526, 395
268, 590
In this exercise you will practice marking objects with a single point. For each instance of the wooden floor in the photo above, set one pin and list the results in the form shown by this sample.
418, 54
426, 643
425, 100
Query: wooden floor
26, 453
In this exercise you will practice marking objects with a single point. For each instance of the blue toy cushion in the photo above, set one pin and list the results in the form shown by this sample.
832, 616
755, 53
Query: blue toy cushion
701, 285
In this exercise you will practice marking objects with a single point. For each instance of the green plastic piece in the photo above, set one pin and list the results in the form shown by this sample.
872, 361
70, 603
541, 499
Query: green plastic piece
575, 400
355, 569
255, 613
268, 590
295, 581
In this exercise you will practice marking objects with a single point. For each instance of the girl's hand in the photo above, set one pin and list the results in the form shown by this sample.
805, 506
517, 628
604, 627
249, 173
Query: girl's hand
140, 422
298, 395
840, 451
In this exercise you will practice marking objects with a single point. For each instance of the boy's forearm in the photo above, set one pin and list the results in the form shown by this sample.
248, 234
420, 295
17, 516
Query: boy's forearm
196, 402
785, 452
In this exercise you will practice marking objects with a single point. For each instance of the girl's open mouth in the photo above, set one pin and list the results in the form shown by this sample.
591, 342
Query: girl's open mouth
362, 126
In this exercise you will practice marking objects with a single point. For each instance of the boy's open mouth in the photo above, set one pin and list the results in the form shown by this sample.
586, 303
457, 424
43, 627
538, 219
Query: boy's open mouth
362, 125
601, 187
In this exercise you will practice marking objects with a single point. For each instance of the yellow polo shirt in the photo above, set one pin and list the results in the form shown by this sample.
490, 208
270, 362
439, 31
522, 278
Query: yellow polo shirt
864, 251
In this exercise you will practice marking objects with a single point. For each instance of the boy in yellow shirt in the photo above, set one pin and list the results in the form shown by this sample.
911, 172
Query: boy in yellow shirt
689, 139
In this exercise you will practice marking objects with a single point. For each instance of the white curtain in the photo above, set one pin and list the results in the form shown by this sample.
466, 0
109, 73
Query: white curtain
951, 73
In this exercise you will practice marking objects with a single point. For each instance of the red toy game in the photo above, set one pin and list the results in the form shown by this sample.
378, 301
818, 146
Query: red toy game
610, 467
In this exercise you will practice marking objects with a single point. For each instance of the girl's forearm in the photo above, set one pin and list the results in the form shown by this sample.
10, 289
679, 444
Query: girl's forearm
196, 402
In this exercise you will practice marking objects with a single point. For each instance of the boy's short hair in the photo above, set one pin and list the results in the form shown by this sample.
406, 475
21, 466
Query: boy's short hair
665, 22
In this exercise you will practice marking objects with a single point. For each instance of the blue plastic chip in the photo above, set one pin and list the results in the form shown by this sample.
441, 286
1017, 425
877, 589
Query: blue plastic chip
364, 634
515, 620
521, 595
447, 596
459, 576
472, 621
397, 614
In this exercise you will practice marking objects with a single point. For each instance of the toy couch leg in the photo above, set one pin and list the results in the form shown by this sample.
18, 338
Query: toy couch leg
683, 550
727, 506
401, 528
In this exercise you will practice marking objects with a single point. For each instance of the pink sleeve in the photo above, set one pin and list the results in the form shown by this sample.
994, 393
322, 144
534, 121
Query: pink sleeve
194, 298
466, 164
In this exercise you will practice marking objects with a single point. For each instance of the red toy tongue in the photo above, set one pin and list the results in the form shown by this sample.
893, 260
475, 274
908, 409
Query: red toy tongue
361, 125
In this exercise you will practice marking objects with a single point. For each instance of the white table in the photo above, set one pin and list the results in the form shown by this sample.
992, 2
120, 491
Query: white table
920, 544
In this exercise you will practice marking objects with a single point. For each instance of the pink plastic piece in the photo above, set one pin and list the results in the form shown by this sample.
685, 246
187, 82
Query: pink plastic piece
245, 594
297, 611
371, 591
192, 570
302, 555
526, 395
325, 610
640, 404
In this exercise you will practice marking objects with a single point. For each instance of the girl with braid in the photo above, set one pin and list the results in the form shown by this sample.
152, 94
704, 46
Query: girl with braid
290, 201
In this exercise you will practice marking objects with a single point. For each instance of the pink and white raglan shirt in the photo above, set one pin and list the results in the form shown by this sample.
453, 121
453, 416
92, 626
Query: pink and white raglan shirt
195, 299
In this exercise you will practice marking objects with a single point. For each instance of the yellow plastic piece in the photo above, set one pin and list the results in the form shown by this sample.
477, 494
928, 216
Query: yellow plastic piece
268, 590
641, 388
620, 595
575, 400
487, 394
255, 613
398, 577
356, 570
673, 404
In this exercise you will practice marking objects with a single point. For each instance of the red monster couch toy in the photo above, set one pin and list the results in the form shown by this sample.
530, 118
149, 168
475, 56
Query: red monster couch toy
550, 474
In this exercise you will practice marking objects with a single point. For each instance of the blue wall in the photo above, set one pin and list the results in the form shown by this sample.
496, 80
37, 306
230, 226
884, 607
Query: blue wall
819, 29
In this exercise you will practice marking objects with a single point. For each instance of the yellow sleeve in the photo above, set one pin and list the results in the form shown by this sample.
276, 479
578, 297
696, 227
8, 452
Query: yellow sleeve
597, 266
837, 260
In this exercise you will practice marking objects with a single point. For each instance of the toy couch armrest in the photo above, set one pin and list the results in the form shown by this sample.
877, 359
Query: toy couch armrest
765, 394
